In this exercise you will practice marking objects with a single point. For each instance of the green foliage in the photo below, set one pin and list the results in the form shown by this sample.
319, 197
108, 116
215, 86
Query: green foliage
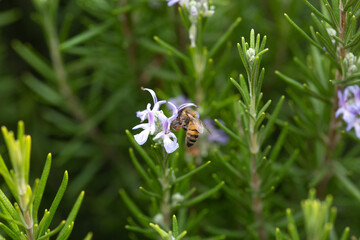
72, 70
319, 219
167, 188
20, 220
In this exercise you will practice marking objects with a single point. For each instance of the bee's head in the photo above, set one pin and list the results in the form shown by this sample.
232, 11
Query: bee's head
176, 125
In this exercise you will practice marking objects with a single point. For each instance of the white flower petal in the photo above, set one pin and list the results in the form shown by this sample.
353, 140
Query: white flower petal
174, 112
172, 2
152, 94
185, 105
142, 137
143, 126
142, 114
357, 129
159, 135
170, 146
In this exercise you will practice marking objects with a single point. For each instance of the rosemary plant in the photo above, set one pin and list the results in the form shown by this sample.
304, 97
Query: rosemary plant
21, 220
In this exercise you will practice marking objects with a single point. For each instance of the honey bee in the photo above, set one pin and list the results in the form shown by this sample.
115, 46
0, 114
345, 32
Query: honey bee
188, 119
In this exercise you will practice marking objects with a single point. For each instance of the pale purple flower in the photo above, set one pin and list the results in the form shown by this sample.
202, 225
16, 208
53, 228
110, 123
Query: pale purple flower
217, 135
355, 123
344, 106
181, 102
158, 124
173, 2
349, 107
169, 138
177, 101
196, 9
150, 115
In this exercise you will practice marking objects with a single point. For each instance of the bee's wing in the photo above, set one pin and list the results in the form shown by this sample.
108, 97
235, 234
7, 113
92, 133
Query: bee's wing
199, 125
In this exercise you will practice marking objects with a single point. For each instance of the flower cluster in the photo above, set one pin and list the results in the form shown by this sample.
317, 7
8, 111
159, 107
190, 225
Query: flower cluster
352, 63
158, 124
195, 8
349, 107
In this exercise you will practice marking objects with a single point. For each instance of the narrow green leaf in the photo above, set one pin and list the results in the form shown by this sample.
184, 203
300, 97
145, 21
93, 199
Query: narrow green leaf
290, 81
242, 54
291, 226
149, 193
139, 167
279, 143
243, 92
350, 30
340, 173
272, 118
41, 187
43, 90
245, 88
231, 133
10, 219
356, 7
231, 168
332, 16
265, 107
175, 227
184, 18
8, 206
259, 120
260, 82
64, 233
9, 232
89, 236
55, 203
138, 229
192, 172
327, 44
278, 234
164, 235
181, 235
9, 16
142, 152
171, 49
224, 37
203, 196
315, 94
285, 168
142, 218
345, 234
53, 232
7, 177
86, 35
34, 60
354, 41
302, 32
317, 12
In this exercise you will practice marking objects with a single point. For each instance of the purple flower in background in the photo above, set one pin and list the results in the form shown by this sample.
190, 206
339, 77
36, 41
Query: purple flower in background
173, 2
349, 108
217, 135
181, 102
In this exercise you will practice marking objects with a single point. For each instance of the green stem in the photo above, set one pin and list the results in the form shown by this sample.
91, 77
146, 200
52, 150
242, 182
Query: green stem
333, 136
27, 217
72, 102
257, 205
165, 206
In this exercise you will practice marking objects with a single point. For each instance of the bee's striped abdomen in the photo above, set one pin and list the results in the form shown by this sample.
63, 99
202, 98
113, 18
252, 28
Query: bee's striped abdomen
191, 135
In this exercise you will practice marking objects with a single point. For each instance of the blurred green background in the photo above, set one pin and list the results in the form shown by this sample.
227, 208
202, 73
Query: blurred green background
105, 73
